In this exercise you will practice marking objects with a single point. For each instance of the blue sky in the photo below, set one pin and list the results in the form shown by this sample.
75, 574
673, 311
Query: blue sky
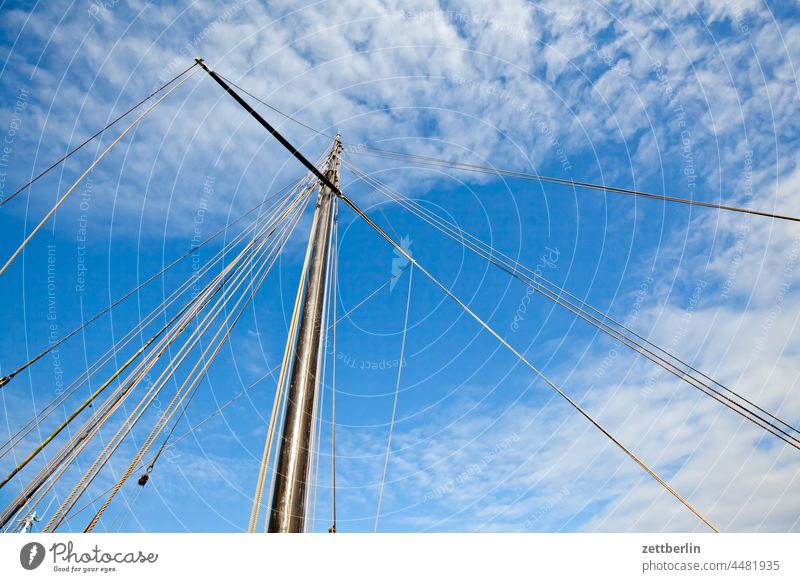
690, 99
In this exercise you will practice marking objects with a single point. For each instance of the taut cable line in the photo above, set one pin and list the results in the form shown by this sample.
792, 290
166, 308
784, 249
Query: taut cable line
97, 134
6, 379
596, 318
362, 149
71, 189
398, 248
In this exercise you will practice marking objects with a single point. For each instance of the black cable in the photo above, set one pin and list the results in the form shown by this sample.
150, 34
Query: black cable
96, 134
6, 379
512, 269
435, 162
425, 160
275, 109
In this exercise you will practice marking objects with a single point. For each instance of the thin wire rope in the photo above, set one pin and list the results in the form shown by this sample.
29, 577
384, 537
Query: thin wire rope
86, 173
174, 442
511, 267
435, 162
279, 391
91, 399
118, 346
362, 149
538, 372
228, 328
201, 300
96, 134
141, 285
396, 396
71, 450
183, 390
125, 340
175, 403
332, 529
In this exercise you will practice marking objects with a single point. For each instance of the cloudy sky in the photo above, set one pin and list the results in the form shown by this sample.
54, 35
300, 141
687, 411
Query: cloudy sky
691, 99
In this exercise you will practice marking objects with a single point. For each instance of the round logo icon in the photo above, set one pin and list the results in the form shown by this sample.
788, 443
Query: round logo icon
31, 555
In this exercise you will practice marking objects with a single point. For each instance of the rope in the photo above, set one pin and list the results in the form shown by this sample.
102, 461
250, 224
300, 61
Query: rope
174, 442
86, 173
5, 380
197, 304
335, 252
536, 282
91, 399
396, 394
96, 134
541, 375
436, 162
119, 345
188, 385
258, 496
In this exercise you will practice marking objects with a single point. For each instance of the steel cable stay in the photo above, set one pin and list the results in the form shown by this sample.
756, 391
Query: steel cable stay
120, 344
289, 524
682, 370
90, 427
396, 396
574, 404
91, 167
97, 134
362, 149
97, 392
173, 442
134, 416
218, 307
534, 280
189, 386
512, 173
436, 162
6, 379
238, 279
